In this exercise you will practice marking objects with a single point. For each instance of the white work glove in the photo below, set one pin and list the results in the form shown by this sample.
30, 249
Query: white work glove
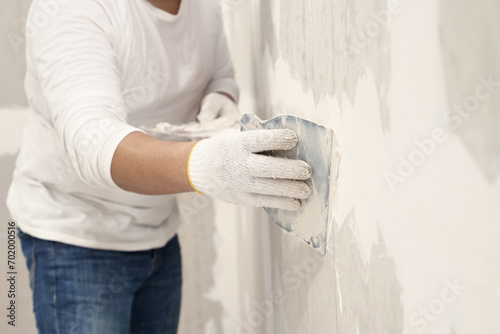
228, 167
216, 105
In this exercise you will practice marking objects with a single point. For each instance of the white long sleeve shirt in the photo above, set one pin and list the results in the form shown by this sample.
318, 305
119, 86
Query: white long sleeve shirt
96, 70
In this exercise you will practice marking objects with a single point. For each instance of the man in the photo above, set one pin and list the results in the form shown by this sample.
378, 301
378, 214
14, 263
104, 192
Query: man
92, 194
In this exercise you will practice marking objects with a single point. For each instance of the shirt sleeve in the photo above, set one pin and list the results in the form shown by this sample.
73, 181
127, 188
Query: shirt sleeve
223, 79
78, 73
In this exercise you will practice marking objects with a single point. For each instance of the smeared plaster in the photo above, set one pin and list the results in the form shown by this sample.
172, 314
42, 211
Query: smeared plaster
441, 223
309, 40
369, 293
467, 33
329, 45
342, 292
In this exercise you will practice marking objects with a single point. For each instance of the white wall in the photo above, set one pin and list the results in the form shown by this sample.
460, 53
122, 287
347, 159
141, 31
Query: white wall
414, 251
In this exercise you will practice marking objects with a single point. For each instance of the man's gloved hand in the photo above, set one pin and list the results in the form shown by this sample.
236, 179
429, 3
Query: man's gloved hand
227, 166
217, 105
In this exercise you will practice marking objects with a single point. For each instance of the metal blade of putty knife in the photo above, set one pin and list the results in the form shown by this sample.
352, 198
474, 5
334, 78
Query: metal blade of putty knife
315, 146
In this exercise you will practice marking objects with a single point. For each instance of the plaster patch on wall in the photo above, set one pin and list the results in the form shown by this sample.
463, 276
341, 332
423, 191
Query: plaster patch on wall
369, 293
467, 32
329, 45
342, 292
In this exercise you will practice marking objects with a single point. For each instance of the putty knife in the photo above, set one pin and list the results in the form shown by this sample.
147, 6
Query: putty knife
315, 146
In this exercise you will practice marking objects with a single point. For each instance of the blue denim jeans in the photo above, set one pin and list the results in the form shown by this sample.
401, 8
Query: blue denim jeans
79, 290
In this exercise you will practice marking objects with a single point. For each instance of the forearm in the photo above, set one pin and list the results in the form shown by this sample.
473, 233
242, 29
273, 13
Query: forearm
146, 165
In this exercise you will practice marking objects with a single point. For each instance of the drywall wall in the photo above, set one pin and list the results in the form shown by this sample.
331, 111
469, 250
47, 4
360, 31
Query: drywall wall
414, 227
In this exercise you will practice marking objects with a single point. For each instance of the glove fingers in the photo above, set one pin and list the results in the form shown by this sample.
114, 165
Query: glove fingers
275, 202
282, 188
269, 140
207, 114
279, 168
230, 110
215, 105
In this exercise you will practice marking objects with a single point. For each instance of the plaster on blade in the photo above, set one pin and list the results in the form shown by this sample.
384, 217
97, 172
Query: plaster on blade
315, 146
